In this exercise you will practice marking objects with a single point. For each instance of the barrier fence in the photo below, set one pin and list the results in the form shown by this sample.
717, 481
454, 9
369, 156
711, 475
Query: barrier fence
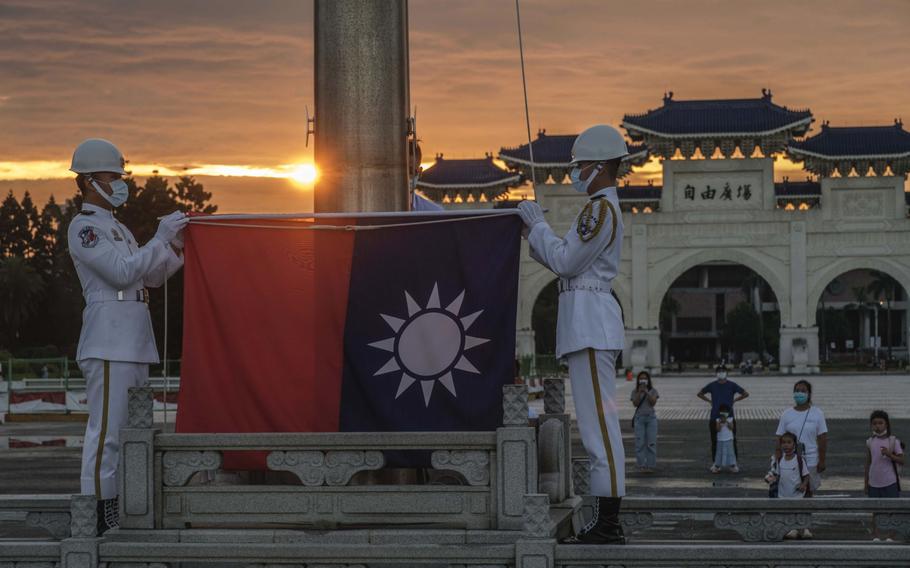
55, 385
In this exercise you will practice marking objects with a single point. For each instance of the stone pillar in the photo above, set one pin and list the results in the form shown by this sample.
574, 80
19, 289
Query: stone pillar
799, 350
516, 459
639, 315
798, 288
137, 470
537, 547
524, 342
81, 549
642, 350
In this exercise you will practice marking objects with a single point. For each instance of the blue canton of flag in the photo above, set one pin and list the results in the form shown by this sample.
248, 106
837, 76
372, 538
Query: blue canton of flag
429, 338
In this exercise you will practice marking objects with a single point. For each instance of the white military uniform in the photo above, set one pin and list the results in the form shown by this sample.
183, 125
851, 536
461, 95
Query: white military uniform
117, 343
589, 329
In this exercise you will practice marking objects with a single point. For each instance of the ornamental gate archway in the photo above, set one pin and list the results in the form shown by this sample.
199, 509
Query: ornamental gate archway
718, 203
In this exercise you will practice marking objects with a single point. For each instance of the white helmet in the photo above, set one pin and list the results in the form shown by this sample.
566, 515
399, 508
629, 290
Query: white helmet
97, 155
598, 144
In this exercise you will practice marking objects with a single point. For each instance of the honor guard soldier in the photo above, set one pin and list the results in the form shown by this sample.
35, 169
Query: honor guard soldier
117, 343
589, 330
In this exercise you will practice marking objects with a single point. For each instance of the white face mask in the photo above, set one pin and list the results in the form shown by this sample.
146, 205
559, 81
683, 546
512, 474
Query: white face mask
721, 375
119, 192
580, 185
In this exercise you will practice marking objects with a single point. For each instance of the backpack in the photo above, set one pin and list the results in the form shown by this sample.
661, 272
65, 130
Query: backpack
892, 442
775, 470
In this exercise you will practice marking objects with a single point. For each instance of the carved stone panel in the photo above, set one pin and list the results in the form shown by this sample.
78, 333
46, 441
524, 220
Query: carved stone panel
515, 405
474, 465
84, 520
537, 521
333, 468
179, 466
581, 476
755, 527
58, 524
554, 396
140, 407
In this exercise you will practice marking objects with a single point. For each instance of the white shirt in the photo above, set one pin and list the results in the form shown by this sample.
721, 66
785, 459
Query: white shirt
725, 430
792, 421
587, 261
790, 477
109, 260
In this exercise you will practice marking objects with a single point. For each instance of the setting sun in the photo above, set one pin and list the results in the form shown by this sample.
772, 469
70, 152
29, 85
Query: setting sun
305, 173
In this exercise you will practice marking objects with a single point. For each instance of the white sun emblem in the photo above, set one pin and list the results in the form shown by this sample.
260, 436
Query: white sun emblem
429, 344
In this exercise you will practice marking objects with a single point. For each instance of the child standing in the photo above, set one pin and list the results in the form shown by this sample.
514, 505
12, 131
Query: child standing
883, 454
790, 476
725, 456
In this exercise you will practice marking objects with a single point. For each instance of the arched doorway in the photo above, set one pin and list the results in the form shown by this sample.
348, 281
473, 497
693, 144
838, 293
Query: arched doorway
862, 318
719, 311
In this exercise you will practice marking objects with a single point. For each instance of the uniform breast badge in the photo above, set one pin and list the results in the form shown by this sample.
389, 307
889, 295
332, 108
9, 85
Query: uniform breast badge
589, 223
89, 237
116, 235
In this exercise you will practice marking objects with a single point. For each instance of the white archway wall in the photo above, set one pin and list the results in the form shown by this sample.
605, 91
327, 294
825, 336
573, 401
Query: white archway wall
534, 279
818, 281
663, 274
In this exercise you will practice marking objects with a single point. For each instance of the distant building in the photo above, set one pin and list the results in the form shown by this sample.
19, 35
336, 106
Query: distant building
717, 219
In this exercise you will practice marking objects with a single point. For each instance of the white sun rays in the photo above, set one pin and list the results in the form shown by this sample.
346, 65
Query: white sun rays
429, 344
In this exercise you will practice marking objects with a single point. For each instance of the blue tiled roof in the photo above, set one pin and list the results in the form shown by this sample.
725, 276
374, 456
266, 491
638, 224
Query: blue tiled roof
856, 141
638, 192
551, 149
478, 173
729, 116
797, 188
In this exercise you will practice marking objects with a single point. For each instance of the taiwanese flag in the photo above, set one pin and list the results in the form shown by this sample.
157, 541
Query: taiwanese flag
308, 325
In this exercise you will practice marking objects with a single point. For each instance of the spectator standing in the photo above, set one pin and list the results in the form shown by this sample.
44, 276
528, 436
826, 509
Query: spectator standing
789, 476
722, 391
884, 452
807, 422
725, 455
644, 422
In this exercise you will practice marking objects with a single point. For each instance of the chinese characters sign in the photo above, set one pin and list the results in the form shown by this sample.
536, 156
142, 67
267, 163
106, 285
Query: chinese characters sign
718, 191
743, 191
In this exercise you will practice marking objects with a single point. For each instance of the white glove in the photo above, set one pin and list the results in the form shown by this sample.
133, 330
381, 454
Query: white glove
170, 225
531, 213
177, 242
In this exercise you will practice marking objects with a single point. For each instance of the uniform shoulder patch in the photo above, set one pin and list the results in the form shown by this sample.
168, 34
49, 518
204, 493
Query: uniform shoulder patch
591, 220
89, 236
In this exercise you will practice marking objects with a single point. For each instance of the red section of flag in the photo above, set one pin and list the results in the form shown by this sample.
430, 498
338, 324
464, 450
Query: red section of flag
264, 314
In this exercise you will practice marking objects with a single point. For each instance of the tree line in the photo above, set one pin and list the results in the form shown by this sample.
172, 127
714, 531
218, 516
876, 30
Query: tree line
40, 295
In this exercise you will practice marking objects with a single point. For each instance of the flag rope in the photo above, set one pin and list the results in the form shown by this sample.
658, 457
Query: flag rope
200, 221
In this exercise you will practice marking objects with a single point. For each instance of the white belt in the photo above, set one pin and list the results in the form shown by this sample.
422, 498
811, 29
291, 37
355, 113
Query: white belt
569, 284
141, 295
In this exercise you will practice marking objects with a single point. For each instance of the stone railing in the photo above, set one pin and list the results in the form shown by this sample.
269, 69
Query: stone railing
48, 512
754, 519
158, 489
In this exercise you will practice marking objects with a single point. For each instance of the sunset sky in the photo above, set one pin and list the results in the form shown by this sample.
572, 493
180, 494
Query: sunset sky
220, 86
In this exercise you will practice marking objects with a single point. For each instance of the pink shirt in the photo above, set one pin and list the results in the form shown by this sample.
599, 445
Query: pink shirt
881, 470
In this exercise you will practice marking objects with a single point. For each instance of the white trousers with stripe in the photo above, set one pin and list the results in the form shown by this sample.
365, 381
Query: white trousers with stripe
593, 376
107, 385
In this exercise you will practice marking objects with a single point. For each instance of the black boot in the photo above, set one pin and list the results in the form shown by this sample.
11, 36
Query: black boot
108, 515
604, 527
